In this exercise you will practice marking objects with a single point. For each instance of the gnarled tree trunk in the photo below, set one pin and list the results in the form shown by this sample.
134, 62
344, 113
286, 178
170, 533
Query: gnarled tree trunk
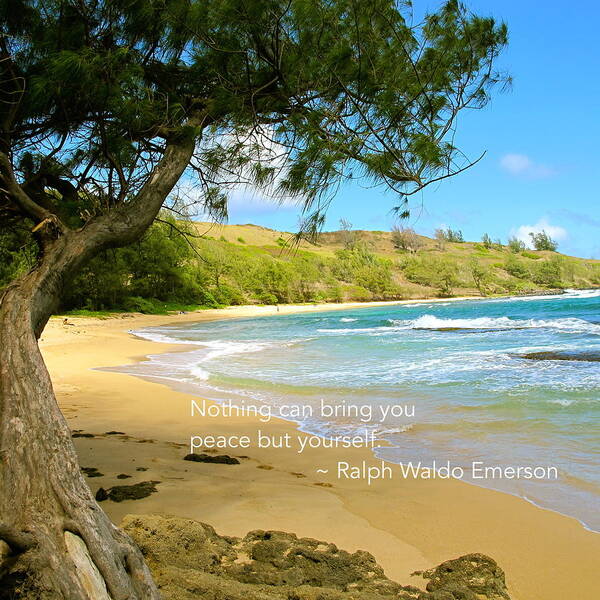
61, 544
55, 541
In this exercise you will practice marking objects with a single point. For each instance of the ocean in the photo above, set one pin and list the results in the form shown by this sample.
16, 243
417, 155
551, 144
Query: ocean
509, 382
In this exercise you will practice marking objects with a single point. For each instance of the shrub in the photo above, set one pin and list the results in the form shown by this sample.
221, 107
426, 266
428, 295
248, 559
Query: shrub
405, 238
548, 273
543, 241
516, 245
517, 268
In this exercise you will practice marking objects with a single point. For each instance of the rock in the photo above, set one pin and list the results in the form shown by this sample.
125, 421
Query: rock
118, 493
123, 476
92, 472
114, 433
142, 469
223, 459
101, 495
137, 491
469, 577
82, 435
568, 355
190, 561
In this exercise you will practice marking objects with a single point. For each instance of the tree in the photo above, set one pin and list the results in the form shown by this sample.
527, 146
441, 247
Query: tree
487, 241
449, 235
516, 245
348, 235
446, 279
480, 275
440, 238
543, 241
405, 238
107, 106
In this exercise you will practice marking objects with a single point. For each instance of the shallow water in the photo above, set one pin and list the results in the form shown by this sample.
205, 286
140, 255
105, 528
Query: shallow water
466, 367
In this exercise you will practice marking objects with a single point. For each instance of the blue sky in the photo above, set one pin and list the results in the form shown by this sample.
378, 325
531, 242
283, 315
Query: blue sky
541, 141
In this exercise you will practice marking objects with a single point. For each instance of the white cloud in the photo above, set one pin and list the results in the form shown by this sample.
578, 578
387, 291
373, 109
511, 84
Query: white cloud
554, 231
521, 164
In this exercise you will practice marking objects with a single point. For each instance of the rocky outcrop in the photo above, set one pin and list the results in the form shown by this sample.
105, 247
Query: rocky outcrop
190, 561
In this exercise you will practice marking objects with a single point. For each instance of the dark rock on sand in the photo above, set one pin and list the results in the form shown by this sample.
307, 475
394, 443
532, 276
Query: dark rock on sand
123, 476
118, 493
114, 433
190, 561
78, 434
142, 469
101, 495
92, 472
137, 491
222, 459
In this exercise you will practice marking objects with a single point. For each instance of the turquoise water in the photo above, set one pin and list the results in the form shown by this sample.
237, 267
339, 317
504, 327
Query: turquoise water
462, 366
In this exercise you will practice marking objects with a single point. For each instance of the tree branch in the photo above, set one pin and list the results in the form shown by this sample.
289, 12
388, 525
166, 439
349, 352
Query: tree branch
16, 194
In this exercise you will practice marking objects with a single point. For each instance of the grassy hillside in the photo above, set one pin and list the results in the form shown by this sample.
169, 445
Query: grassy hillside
241, 264
435, 269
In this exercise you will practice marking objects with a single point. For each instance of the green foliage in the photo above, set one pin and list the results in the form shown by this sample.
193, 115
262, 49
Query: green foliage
543, 241
337, 89
480, 275
450, 235
593, 272
441, 274
517, 268
359, 265
487, 241
549, 273
515, 245
17, 254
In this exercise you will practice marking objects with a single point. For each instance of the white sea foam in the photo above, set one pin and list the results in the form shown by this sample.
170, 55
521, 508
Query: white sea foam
347, 320
572, 325
567, 325
199, 373
567, 295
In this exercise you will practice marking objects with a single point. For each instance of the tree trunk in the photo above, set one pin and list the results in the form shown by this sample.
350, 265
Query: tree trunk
57, 542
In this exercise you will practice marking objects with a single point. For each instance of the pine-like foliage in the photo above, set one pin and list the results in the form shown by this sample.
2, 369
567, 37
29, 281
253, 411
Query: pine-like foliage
290, 95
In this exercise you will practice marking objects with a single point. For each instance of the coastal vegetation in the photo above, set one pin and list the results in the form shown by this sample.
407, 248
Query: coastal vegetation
183, 265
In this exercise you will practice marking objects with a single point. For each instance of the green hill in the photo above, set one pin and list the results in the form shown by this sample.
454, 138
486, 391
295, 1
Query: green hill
434, 268
243, 264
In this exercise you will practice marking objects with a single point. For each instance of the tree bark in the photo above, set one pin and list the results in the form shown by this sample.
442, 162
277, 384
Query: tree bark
61, 544
55, 541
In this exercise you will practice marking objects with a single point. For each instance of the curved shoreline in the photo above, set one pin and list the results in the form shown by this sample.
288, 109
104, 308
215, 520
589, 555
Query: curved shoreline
407, 525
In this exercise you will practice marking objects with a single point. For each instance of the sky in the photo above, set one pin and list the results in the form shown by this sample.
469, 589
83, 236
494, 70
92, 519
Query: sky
541, 142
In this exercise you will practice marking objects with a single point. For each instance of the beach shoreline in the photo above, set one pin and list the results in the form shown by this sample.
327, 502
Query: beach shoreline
406, 524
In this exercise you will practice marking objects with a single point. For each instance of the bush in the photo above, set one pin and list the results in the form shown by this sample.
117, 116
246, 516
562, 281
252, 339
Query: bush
548, 273
516, 245
267, 298
517, 268
406, 239
225, 295
543, 241
147, 306
432, 272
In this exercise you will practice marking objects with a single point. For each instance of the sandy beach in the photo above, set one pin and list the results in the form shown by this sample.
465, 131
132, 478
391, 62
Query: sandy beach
406, 524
